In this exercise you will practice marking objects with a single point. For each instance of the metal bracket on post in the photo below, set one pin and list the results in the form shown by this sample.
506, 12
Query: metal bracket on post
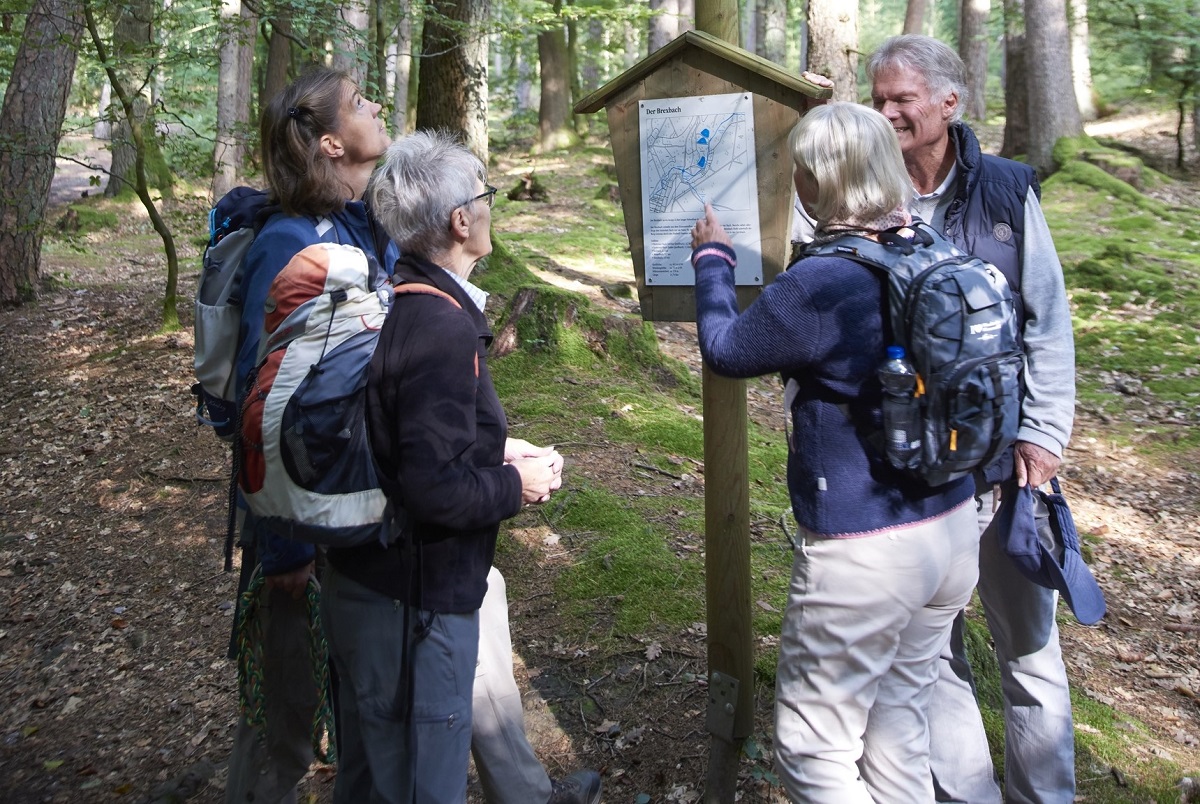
722, 705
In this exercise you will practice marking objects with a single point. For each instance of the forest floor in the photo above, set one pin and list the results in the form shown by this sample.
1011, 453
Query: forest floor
114, 684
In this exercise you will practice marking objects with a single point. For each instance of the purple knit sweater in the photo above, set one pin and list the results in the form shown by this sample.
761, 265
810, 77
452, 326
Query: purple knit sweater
819, 324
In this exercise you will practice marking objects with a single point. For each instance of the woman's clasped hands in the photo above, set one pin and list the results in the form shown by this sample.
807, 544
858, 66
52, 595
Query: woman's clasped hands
540, 469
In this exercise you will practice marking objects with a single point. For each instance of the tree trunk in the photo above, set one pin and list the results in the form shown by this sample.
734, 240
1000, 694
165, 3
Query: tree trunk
633, 44
1053, 112
664, 22
591, 72
402, 72
833, 45
279, 56
687, 16
35, 103
914, 17
554, 113
103, 128
749, 25
170, 319
132, 41
377, 80
1081, 59
973, 48
233, 97
772, 30
453, 90
1016, 86
349, 52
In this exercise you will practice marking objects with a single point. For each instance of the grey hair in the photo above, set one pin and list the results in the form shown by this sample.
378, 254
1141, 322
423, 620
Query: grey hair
932, 59
421, 180
852, 154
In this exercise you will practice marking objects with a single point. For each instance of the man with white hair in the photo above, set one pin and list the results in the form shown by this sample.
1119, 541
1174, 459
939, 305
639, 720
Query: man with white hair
989, 207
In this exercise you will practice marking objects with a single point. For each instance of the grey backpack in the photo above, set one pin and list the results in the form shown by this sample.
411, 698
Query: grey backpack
954, 316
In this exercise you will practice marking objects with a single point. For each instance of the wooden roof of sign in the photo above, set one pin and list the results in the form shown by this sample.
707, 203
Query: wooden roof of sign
732, 63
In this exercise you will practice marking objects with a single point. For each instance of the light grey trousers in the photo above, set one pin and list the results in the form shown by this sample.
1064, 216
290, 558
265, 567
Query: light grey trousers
1039, 756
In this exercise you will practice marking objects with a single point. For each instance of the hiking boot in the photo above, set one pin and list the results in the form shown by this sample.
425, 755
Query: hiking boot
581, 787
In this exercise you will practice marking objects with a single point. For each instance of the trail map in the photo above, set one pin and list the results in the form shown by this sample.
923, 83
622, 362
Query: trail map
697, 150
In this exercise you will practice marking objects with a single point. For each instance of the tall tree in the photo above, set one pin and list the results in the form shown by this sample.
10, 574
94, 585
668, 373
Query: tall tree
452, 92
1081, 58
350, 50
402, 71
132, 42
772, 30
233, 95
663, 24
279, 54
35, 103
1016, 85
1053, 112
555, 124
833, 45
914, 17
973, 48
141, 186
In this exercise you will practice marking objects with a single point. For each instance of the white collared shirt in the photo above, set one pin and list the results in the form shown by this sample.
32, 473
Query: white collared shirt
476, 295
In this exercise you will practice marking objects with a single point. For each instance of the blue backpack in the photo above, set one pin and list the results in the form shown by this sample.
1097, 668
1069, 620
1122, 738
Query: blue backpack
232, 226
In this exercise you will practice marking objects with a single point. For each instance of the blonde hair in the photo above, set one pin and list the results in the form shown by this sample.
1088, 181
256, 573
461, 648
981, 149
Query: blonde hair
851, 154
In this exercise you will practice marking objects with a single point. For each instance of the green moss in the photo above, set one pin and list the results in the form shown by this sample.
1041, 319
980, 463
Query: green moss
629, 566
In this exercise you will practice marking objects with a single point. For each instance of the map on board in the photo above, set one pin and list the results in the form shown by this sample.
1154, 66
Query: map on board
694, 151
697, 158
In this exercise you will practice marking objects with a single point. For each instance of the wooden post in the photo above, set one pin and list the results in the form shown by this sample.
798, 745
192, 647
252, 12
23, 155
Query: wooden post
727, 580
726, 535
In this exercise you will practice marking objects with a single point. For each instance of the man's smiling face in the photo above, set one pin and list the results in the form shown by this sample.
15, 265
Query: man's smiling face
901, 95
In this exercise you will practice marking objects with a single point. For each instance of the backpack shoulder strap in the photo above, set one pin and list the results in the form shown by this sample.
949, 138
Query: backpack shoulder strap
879, 255
428, 290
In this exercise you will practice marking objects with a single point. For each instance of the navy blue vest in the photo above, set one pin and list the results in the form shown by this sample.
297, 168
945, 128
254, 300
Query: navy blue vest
987, 218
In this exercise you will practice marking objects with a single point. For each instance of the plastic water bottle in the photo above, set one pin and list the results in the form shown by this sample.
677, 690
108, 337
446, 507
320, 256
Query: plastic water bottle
901, 409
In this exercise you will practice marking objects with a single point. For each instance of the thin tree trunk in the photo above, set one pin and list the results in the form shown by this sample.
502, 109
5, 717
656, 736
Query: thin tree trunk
279, 56
170, 318
1016, 87
664, 22
132, 42
233, 92
35, 103
772, 30
914, 17
402, 72
349, 52
973, 48
1081, 59
833, 45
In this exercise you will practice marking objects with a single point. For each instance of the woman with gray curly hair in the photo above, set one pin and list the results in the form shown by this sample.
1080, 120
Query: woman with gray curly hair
405, 617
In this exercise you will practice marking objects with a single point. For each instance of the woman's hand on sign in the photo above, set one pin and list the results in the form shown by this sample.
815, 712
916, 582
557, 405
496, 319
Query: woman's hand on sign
709, 230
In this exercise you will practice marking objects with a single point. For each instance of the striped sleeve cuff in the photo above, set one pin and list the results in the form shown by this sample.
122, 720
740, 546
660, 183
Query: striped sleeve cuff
714, 250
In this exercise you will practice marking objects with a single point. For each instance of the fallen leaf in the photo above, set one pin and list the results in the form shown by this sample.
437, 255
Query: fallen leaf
52, 764
653, 651
608, 728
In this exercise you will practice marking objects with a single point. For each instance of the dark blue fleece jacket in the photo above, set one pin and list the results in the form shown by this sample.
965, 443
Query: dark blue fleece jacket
820, 324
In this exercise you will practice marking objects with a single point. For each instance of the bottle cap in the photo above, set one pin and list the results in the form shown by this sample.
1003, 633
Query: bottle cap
895, 352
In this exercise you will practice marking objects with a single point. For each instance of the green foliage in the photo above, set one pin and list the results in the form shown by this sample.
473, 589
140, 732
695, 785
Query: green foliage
1134, 280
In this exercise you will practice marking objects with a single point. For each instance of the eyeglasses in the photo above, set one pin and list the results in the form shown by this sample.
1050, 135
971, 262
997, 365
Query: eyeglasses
488, 194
